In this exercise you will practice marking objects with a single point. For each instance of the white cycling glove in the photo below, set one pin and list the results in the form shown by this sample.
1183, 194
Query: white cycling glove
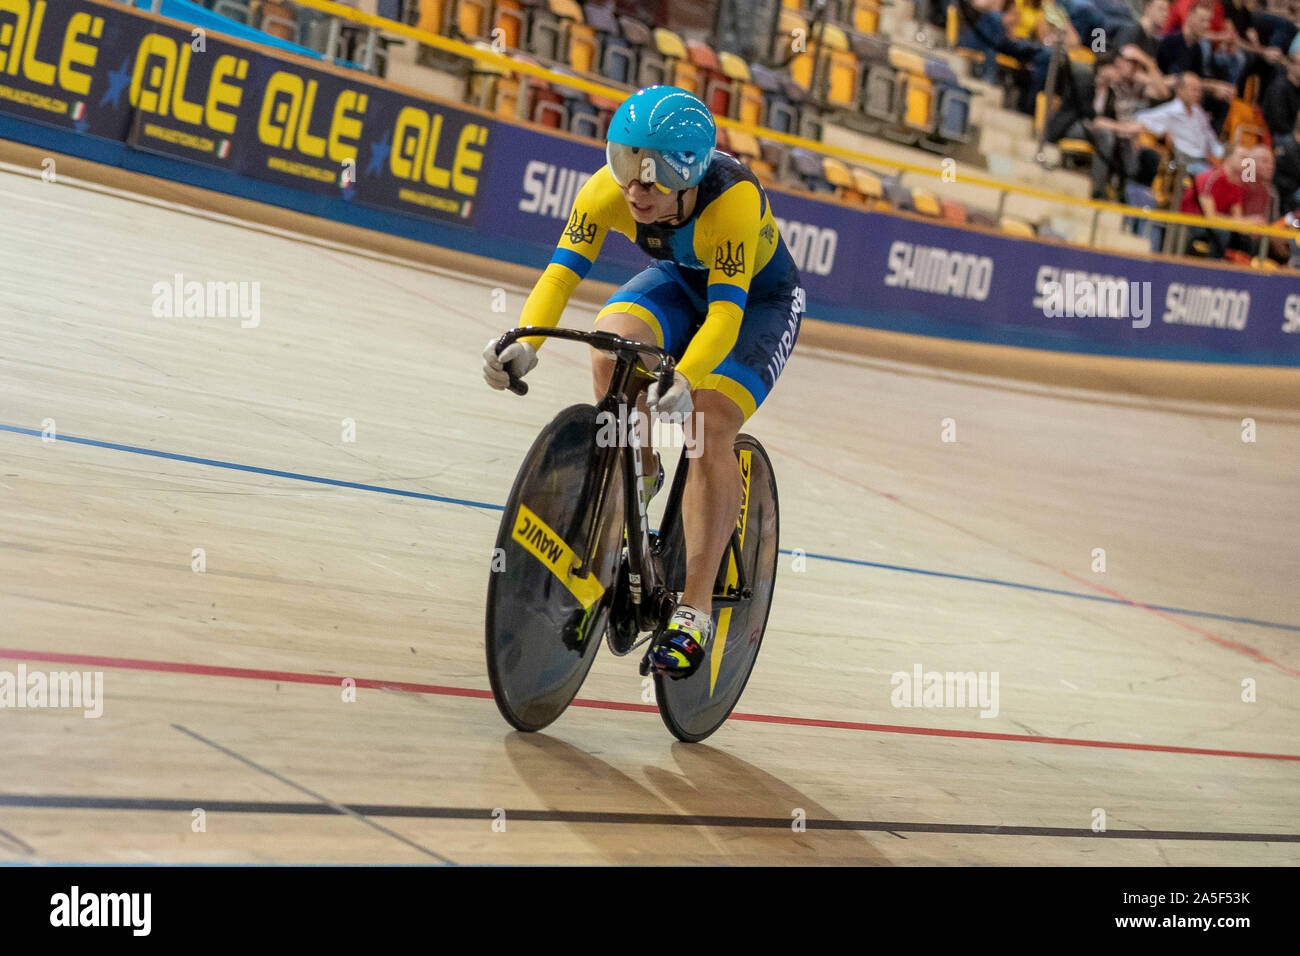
676, 401
520, 356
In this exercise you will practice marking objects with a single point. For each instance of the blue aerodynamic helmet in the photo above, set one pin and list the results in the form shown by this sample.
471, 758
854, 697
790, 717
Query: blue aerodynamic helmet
662, 135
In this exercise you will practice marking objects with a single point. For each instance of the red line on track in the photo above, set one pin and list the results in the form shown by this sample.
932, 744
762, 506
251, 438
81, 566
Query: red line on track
294, 677
1221, 641
1201, 632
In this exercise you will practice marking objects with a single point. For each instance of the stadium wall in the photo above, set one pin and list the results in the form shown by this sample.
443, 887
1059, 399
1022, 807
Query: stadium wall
128, 89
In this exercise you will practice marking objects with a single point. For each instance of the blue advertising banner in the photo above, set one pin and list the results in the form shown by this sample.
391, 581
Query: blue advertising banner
101, 81
104, 71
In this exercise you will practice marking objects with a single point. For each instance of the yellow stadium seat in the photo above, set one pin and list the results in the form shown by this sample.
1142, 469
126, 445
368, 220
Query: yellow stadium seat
868, 184
831, 37
568, 9
584, 48
842, 84
836, 173
472, 17
733, 66
744, 145
749, 105
906, 61
1016, 227
432, 16
509, 19
866, 16
918, 102
792, 28
926, 203
669, 43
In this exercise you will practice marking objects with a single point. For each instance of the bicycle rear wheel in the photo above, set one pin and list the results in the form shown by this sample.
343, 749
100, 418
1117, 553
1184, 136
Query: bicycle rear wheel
694, 707
544, 624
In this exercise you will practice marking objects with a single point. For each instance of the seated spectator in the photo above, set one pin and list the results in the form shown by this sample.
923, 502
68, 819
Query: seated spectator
1029, 13
1189, 50
1258, 203
1286, 251
1144, 36
986, 25
1216, 192
1286, 178
1179, 9
1264, 37
1085, 18
1274, 31
1187, 123
1281, 102
1116, 15
1123, 90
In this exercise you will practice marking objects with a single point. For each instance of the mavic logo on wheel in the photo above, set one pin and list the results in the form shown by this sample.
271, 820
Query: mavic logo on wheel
578, 231
541, 541
729, 264
547, 548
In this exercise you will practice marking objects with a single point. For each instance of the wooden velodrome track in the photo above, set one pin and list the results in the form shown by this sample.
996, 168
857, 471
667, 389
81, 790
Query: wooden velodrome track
1118, 691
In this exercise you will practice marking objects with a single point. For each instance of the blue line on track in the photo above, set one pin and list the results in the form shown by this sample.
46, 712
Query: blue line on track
469, 503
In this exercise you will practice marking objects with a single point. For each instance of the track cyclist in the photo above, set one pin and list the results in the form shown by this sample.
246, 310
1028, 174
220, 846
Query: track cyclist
721, 294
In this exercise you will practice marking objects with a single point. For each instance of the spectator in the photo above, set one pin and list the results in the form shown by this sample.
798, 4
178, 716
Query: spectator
1085, 18
1189, 50
1121, 92
1281, 103
1216, 192
1258, 203
1116, 15
1179, 9
1286, 251
1286, 178
1266, 38
986, 29
1029, 15
1141, 40
1187, 123
1146, 33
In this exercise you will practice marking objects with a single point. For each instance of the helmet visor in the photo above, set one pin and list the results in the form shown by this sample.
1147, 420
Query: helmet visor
647, 166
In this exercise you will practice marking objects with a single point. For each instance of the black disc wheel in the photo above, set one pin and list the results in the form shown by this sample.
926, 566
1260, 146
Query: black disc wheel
694, 707
544, 623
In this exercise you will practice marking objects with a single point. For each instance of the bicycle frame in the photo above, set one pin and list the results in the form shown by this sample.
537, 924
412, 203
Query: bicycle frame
651, 600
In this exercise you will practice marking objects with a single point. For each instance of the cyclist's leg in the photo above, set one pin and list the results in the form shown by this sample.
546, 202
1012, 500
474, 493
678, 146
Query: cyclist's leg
711, 499
723, 402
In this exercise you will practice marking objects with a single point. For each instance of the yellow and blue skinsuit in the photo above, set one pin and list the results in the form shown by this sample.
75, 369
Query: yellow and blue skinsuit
722, 294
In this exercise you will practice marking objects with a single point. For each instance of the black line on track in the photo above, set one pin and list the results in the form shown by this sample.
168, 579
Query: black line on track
70, 802
325, 802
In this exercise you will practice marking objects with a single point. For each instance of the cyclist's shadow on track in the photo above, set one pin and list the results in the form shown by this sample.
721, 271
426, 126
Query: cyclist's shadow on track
710, 783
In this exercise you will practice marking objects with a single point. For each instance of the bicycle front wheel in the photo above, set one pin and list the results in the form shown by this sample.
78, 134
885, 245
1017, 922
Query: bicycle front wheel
544, 623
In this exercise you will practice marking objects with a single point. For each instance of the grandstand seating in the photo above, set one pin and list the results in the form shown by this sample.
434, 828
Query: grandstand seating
854, 66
